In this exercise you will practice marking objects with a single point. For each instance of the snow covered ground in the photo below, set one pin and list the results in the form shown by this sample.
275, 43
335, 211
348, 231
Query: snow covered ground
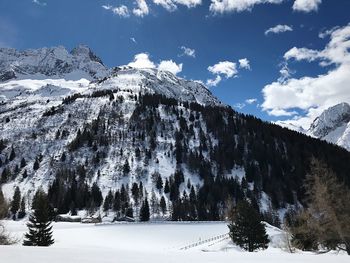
148, 242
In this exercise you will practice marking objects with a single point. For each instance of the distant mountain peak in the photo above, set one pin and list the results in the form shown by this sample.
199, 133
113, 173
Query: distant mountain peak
84, 50
26, 74
50, 62
333, 125
330, 119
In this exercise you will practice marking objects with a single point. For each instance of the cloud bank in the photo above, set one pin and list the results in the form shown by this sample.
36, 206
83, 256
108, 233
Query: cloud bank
313, 94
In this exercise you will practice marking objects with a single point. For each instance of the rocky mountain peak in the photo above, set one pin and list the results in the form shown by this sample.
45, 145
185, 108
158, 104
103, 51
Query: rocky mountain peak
51, 62
84, 51
330, 119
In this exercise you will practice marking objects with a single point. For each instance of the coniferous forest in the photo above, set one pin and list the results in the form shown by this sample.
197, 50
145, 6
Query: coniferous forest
204, 145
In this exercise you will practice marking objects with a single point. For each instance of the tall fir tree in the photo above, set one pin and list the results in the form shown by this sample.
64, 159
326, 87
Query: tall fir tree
144, 212
39, 225
162, 205
3, 204
12, 154
22, 210
36, 164
23, 163
15, 204
108, 203
246, 228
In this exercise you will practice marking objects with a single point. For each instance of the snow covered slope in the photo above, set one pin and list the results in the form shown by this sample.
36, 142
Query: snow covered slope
333, 125
158, 82
161, 242
50, 94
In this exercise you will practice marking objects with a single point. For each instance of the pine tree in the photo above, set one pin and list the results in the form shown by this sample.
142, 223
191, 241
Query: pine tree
15, 204
3, 205
154, 203
117, 201
4, 176
166, 187
246, 228
159, 183
39, 225
96, 195
144, 212
22, 210
25, 174
36, 164
126, 168
108, 201
4, 237
162, 204
12, 154
23, 163
135, 192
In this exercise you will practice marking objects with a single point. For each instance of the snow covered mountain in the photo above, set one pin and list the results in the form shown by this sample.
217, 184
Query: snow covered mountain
48, 73
333, 125
84, 132
53, 62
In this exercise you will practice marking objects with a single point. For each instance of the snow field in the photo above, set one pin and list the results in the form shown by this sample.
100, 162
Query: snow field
149, 242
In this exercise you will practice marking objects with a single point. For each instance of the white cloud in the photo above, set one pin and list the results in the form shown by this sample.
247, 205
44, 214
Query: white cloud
167, 4
199, 81
301, 54
171, 5
39, 3
251, 101
313, 94
229, 6
142, 8
121, 11
188, 52
142, 61
188, 3
227, 68
278, 29
328, 32
171, 66
244, 63
239, 105
214, 82
133, 40
306, 5
285, 72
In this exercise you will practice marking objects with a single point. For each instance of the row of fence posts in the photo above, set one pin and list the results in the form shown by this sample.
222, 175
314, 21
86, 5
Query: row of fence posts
204, 241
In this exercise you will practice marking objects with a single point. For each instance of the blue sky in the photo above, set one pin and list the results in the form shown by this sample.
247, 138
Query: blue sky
217, 30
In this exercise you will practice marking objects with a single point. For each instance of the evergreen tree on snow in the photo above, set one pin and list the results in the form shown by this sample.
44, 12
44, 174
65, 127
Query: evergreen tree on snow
39, 225
246, 228
15, 204
144, 212
22, 210
162, 204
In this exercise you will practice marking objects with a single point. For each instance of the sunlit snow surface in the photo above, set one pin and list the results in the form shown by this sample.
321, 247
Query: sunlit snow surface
149, 242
